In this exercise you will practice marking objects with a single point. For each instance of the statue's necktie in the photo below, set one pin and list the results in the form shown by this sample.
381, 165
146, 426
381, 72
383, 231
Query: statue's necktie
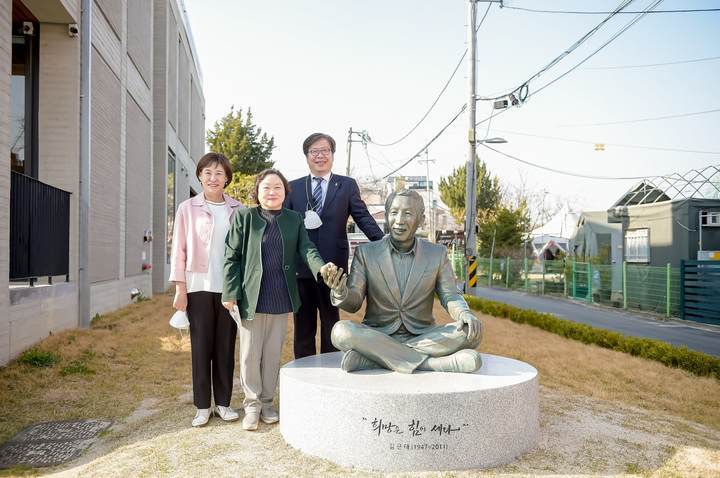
317, 195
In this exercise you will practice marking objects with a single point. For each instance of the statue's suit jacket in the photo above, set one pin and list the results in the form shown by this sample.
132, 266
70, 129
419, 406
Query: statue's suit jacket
372, 275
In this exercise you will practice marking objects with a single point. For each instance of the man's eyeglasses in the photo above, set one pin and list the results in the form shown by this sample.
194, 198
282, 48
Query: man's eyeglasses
317, 152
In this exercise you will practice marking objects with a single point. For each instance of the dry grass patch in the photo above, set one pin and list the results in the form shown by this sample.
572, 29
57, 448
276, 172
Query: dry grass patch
141, 379
103, 372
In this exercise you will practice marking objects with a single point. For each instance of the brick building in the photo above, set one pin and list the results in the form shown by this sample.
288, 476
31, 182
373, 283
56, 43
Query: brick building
103, 120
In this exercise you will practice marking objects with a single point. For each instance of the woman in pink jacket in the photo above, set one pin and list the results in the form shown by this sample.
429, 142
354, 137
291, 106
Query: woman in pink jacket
198, 246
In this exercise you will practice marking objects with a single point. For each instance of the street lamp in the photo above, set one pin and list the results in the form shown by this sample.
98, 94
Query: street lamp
493, 141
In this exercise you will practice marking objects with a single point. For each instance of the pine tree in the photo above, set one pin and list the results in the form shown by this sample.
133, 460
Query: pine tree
452, 191
245, 144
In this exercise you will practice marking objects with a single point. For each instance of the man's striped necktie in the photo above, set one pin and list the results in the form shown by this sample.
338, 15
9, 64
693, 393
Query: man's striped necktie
317, 195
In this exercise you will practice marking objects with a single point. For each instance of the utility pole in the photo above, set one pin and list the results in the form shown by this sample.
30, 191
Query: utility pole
349, 151
470, 179
428, 194
364, 138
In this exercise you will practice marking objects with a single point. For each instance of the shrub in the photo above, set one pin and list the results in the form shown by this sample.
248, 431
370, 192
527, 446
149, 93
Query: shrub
38, 358
694, 362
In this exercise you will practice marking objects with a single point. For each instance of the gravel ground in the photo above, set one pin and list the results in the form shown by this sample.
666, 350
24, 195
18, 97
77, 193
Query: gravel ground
579, 437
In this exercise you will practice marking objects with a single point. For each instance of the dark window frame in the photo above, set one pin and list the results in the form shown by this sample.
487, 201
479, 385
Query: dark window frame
32, 89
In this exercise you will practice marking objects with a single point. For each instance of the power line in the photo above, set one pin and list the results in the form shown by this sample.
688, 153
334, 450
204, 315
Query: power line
648, 65
617, 145
560, 171
597, 50
656, 118
447, 83
564, 54
578, 12
610, 40
464, 107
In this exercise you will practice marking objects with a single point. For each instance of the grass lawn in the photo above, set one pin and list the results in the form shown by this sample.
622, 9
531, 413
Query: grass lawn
131, 367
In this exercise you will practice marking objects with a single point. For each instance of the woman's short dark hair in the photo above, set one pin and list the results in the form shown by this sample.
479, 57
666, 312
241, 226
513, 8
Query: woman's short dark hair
316, 137
215, 158
262, 175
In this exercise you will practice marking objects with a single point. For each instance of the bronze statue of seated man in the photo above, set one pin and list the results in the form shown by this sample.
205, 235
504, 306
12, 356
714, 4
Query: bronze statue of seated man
399, 276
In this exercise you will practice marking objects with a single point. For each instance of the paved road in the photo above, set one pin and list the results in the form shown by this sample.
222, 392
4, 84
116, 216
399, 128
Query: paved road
700, 337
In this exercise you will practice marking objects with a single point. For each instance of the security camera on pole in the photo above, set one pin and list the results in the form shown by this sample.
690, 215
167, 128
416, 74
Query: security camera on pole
470, 179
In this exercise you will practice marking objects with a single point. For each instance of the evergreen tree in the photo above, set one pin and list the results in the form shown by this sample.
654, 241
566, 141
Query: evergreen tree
241, 188
507, 226
452, 191
245, 144
496, 218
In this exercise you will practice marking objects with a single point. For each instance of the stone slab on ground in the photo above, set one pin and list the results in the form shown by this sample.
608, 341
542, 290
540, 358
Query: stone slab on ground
50, 443
387, 421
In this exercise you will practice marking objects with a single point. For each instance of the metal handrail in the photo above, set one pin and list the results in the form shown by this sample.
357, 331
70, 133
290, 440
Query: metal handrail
39, 229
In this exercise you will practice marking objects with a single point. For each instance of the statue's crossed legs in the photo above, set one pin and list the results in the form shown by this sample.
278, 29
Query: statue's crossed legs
442, 349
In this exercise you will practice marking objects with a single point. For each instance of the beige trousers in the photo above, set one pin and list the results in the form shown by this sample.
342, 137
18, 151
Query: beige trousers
261, 341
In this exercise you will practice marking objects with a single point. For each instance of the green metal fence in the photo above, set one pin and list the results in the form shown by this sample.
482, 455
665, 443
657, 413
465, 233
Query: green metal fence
627, 286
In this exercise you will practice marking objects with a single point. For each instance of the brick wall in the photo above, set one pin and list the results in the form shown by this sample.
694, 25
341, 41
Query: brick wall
137, 187
104, 173
139, 36
112, 10
172, 66
58, 110
183, 95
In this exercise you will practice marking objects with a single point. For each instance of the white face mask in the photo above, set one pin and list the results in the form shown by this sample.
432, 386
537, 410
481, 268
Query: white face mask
179, 320
312, 220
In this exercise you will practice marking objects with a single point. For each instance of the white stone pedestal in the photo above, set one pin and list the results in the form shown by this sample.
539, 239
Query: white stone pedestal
387, 421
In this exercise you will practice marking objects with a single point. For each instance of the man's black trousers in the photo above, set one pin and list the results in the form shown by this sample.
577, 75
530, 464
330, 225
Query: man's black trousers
314, 297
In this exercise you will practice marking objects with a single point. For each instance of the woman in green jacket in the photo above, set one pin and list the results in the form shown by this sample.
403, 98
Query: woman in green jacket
260, 256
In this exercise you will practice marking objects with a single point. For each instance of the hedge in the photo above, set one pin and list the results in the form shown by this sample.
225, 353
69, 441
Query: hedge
694, 362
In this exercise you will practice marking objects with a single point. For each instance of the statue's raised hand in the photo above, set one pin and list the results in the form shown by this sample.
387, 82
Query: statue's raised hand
335, 278
474, 330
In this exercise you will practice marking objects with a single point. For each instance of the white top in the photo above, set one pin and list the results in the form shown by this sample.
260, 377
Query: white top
212, 280
324, 371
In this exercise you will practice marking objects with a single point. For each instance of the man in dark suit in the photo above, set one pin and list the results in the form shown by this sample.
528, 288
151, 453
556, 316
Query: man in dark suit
333, 198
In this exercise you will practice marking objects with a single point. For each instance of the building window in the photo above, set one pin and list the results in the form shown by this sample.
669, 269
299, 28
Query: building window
23, 99
637, 245
170, 202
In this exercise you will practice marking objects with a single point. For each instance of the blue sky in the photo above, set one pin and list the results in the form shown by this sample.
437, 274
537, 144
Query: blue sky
377, 65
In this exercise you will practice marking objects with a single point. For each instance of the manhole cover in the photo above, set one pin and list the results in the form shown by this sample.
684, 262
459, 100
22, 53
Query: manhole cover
50, 443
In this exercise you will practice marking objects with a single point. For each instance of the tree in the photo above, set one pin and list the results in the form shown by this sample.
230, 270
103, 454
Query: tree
241, 188
502, 230
242, 142
452, 191
499, 217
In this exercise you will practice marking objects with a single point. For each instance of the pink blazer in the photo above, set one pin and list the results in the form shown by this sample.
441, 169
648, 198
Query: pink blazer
192, 234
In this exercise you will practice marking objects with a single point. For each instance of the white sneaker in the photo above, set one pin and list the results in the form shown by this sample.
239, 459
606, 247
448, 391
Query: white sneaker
201, 417
269, 414
250, 422
227, 413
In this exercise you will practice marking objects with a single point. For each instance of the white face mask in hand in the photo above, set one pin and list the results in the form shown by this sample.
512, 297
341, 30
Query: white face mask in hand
179, 320
312, 220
